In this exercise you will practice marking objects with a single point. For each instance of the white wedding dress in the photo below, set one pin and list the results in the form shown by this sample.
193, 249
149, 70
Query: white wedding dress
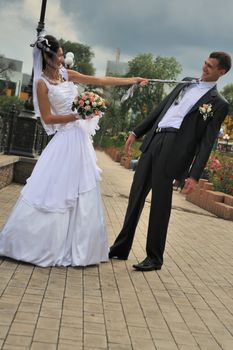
58, 219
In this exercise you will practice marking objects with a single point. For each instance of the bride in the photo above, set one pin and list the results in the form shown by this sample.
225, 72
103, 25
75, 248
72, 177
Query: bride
58, 219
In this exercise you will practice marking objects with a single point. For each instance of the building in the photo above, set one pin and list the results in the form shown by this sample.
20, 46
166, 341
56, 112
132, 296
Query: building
13, 82
24, 87
11, 76
116, 67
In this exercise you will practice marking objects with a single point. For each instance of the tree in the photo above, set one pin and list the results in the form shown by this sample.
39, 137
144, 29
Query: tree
6, 103
124, 116
146, 98
227, 92
82, 56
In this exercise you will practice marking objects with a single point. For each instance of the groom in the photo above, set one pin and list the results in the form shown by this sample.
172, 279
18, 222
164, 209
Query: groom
180, 134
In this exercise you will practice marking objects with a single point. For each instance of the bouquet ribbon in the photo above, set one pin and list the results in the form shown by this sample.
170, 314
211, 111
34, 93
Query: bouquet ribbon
129, 93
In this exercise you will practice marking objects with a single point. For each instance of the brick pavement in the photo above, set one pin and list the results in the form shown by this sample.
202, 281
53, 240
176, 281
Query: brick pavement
188, 305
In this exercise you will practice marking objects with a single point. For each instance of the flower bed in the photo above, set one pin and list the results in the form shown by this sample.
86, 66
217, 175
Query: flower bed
219, 171
215, 191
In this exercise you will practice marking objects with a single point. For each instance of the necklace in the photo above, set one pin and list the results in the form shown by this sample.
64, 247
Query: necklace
53, 81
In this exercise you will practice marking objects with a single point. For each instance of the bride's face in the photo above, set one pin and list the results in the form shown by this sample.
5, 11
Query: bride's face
59, 57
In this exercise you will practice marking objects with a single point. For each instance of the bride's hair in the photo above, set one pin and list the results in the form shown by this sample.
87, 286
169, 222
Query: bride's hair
48, 46
44, 50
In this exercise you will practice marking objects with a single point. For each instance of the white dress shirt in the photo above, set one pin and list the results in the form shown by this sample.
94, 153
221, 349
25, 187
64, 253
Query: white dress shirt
176, 113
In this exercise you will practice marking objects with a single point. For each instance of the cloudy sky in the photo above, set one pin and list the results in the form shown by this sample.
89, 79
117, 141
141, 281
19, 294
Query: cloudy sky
187, 30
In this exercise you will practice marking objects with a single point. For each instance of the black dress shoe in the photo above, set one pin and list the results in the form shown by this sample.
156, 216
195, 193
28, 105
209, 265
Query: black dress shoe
147, 265
112, 255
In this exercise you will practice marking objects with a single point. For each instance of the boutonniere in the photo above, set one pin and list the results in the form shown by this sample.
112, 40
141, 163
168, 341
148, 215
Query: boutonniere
206, 111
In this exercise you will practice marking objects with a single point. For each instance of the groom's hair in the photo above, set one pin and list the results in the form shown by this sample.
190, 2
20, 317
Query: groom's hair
224, 60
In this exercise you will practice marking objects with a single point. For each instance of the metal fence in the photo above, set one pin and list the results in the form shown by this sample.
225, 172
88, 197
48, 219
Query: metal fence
21, 133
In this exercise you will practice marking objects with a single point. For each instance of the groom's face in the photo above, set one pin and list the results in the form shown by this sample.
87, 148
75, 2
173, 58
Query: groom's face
211, 70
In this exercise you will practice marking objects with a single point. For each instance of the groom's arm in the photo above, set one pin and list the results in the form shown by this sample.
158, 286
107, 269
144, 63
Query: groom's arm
207, 142
149, 121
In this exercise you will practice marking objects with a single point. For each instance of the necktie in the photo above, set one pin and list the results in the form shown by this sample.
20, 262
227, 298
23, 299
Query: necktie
181, 94
183, 91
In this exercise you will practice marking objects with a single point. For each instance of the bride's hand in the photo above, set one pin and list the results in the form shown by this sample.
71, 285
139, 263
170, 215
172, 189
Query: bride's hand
142, 81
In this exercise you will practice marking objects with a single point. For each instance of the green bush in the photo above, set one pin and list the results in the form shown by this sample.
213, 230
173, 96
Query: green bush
103, 142
117, 141
6, 103
135, 150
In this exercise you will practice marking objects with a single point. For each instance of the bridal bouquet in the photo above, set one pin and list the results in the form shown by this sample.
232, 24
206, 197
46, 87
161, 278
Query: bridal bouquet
89, 104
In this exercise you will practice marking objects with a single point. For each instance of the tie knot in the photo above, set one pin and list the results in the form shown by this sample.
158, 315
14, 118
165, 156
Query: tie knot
181, 94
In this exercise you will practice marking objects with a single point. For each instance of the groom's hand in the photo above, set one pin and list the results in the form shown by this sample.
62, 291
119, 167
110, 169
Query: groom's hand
130, 140
189, 186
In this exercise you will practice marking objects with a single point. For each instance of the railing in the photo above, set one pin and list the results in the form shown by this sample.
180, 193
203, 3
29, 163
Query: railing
21, 134
6, 128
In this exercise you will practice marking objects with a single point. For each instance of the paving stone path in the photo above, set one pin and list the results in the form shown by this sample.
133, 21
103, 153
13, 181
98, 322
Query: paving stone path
188, 305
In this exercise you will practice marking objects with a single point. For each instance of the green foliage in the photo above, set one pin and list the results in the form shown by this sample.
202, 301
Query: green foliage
154, 67
124, 116
6, 103
82, 56
147, 97
106, 140
135, 150
117, 141
227, 92
115, 120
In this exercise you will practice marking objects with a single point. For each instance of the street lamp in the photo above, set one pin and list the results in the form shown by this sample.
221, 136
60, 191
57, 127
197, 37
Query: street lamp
220, 134
69, 60
40, 26
226, 138
25, 133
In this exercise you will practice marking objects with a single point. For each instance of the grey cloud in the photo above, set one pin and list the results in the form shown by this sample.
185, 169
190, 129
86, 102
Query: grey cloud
186, 29
143, 24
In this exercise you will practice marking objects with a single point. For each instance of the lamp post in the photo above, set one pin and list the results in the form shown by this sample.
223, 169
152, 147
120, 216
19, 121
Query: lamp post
29, 103
69, 60
226, 137
40, 26
220, 134
26, 135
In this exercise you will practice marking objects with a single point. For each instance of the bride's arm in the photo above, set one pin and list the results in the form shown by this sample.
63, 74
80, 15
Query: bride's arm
102, 81
45, 108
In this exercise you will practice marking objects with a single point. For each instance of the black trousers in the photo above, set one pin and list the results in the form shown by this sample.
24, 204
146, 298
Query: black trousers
150, 174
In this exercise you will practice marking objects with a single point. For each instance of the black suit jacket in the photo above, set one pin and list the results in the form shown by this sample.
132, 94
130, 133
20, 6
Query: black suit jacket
195, 138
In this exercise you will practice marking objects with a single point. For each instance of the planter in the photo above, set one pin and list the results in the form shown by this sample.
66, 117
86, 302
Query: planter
218, 203
117, 156
114, 153
125, 161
